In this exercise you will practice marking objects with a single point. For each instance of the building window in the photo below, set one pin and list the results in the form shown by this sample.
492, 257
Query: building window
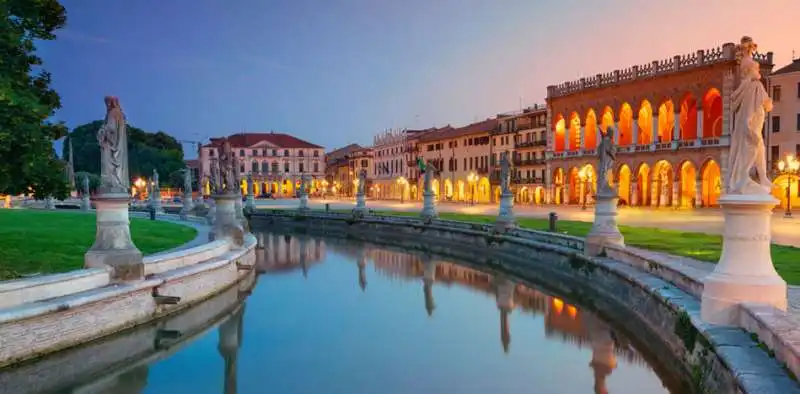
316, 153
241, 168
775, 153
255, 152
300, 153
241, 152
364, 164
263, 152
300, 167
798, 122
286, 167
316, 165
255, 166
275, 167
776, 124
274, 152
286, 152
776, 93
211, 153
798, 90
264, 167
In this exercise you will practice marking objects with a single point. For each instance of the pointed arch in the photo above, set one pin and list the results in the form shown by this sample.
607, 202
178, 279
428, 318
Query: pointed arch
666, 121
574, 132
688, 118
559, 139
712, 114
590, 130
625, 133
645, 122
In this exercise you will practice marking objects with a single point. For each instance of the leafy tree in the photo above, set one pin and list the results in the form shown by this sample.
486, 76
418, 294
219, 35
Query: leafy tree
146, 151
94, 181
27, 159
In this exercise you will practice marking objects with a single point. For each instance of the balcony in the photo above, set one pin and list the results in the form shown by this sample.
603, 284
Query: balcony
482, 170
528, 162
530, 144
528, 181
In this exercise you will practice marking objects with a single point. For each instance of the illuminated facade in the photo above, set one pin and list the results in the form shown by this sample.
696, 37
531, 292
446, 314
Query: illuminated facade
783, 128
671, 123
395, 173
528, 130
275, 160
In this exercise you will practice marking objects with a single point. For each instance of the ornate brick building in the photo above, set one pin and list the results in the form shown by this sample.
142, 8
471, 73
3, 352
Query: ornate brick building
671, 122
528, 131
275, 160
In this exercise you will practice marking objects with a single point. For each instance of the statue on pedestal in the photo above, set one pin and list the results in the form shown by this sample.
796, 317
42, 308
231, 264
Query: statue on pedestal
227, 168
85, 181
362, 181
607, 154
428, 170
112, 138
505, 174
750, 103
187, 181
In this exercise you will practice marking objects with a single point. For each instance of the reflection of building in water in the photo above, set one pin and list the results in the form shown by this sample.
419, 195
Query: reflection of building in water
284, 252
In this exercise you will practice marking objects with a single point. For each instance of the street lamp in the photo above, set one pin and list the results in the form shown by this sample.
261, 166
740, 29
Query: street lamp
585, 176
472, 178
789, 167
402, 182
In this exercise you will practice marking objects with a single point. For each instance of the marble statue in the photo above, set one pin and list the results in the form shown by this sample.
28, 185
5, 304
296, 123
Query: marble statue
187, 180
215, 178
607, 153
112, 138
250, 188
429, 169
505, 173
301, 190
85, 184
750, 104
237, 175
227, 168
155, 180
362, 181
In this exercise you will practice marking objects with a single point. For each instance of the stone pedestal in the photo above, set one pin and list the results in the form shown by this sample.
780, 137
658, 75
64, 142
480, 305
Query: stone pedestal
428, 206
239, 207
211, 216
227, 225
604, 229
250, 204
303, 202
745, 272
188, 205
505, 218
361, 204
113, 248
86, 204
155, 203
50, 203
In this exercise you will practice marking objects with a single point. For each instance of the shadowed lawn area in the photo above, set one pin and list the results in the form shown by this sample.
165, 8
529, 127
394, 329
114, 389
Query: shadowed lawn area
700, 246
48, 242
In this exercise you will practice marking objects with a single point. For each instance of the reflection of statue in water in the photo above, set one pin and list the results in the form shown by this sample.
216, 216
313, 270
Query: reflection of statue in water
607, 153
112, 138
750, 104
505, 173
362, 181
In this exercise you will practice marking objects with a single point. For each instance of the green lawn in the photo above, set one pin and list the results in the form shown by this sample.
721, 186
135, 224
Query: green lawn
700, 246
48, 242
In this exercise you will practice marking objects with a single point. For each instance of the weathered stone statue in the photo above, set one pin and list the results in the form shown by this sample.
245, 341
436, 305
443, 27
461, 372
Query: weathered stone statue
215, 177
750, 104
227, 169
745, 272
188, 204
85, 182
187, 180
362, 181
605, 231
505, 173
607, 154
428, 204
301, 190
427, 179
112, 138
155, 197
113, 248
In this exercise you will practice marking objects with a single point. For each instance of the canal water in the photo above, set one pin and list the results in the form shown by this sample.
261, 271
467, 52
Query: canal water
333, 316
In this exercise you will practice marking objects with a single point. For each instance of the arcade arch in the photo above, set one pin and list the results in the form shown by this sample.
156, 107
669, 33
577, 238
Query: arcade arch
645, 123
711, 183
687, 187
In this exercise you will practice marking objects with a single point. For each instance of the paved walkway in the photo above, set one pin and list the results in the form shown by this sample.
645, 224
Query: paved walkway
784, 231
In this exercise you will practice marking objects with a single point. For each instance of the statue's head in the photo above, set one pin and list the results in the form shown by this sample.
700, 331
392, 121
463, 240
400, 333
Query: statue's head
748, 45
111, 102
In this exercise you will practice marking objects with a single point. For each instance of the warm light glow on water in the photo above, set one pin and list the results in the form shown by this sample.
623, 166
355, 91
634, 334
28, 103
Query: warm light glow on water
330, 316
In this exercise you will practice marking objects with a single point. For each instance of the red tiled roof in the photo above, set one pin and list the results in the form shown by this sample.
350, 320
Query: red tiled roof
448, 132
792, 67
194, 163
282, 140
342, 152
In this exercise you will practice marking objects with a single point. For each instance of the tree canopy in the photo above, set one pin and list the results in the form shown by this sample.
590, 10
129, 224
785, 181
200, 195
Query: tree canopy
27, 158
146, 151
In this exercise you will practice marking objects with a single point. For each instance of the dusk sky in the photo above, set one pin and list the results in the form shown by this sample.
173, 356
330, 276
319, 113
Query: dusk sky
338, 71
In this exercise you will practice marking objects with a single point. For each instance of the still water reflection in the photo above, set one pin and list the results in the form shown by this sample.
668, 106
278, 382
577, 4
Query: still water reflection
330, 316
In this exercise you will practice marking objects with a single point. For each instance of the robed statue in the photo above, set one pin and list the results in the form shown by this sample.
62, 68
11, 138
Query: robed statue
750, 103
156, 181
362, 181
215, 177
505, 173
429, 171
113, 140
187, 180
85, 184
227, 168
607, 153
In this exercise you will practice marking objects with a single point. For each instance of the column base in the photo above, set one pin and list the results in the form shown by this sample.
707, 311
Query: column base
745, 272
604, 230
113, 248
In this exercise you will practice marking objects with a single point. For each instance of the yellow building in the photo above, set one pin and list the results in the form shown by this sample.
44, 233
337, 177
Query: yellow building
783, 129
528, 132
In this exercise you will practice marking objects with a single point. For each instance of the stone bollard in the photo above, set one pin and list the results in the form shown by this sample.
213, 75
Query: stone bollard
552, 218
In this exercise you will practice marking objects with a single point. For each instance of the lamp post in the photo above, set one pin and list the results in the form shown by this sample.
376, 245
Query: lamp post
789, 167
402, 182
471, 179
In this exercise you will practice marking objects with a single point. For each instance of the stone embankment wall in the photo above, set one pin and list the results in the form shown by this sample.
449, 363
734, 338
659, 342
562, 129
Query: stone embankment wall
47, 313
658, 304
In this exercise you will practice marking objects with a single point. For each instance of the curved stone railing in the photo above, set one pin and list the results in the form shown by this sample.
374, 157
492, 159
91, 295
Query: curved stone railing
655, 299
47, 313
